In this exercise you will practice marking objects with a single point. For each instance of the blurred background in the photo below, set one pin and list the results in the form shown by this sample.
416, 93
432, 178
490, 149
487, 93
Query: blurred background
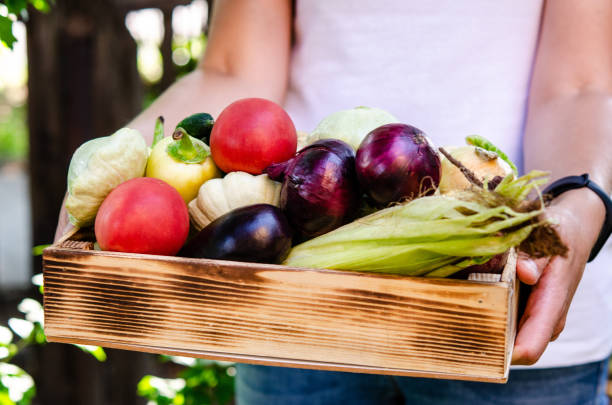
71, 71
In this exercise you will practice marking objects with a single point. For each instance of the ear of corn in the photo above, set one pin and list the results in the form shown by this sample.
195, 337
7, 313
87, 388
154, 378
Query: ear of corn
434, 236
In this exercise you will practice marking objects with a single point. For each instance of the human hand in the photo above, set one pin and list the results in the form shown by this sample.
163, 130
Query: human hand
579, 215
63, 223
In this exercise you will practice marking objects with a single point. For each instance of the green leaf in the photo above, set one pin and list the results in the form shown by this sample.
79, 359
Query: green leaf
179, 399
484, 143
38, 250
158, 133
202, 382
15, 6
39, 335
16, 385
144, 387
95, 351
40, 5
6, 32
4, 398
159, 390
12, 351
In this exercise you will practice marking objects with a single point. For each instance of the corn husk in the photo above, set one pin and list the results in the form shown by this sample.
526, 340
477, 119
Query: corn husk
434, 236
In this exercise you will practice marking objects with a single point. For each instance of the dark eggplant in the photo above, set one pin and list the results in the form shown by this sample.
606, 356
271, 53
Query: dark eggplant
256, 233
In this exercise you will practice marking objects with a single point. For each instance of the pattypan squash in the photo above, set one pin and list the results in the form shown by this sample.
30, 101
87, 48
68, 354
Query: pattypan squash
237, 189
100, 165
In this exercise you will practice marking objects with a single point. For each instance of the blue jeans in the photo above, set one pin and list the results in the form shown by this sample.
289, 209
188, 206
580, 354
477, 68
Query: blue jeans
577, 385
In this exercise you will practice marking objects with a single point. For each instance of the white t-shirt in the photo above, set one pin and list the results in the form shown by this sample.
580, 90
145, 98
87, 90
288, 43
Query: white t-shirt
451, 68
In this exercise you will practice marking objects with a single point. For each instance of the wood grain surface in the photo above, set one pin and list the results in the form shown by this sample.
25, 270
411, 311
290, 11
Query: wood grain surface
278, 315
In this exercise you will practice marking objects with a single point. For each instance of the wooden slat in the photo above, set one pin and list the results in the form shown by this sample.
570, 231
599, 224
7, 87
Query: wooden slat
282, 362
484, 277
75, 244
509, 276
278, 315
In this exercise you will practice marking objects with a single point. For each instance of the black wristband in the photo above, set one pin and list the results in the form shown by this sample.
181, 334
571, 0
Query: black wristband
573, 182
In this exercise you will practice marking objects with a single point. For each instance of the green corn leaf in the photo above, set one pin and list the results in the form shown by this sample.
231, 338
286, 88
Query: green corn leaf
443, 233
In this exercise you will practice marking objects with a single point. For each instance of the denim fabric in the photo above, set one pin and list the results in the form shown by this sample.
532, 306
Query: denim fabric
577, 385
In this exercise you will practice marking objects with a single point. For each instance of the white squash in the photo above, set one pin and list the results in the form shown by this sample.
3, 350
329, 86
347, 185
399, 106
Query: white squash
237, 189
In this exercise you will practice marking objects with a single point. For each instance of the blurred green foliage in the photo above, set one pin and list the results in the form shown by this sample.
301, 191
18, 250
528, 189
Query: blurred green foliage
191, 49
17, 9
200, 382
13, 135
16, 386
6, 35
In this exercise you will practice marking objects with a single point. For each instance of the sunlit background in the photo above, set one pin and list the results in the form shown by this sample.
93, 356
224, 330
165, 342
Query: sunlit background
31, 371
147, 28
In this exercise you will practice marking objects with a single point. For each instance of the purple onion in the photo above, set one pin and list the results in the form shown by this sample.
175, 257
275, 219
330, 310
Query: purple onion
320, 190
397, 162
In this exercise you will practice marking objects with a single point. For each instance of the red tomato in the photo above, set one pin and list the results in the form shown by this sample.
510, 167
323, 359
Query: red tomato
251, 134
143, 215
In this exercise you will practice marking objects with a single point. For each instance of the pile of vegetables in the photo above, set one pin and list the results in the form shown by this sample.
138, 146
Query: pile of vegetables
361, 192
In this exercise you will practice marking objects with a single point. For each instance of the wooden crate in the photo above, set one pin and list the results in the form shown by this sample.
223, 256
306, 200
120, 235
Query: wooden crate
277, 315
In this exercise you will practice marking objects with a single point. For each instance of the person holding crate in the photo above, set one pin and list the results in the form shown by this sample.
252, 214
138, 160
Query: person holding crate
533, 76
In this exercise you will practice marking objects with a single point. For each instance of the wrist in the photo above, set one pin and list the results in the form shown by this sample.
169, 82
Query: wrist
585, 209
